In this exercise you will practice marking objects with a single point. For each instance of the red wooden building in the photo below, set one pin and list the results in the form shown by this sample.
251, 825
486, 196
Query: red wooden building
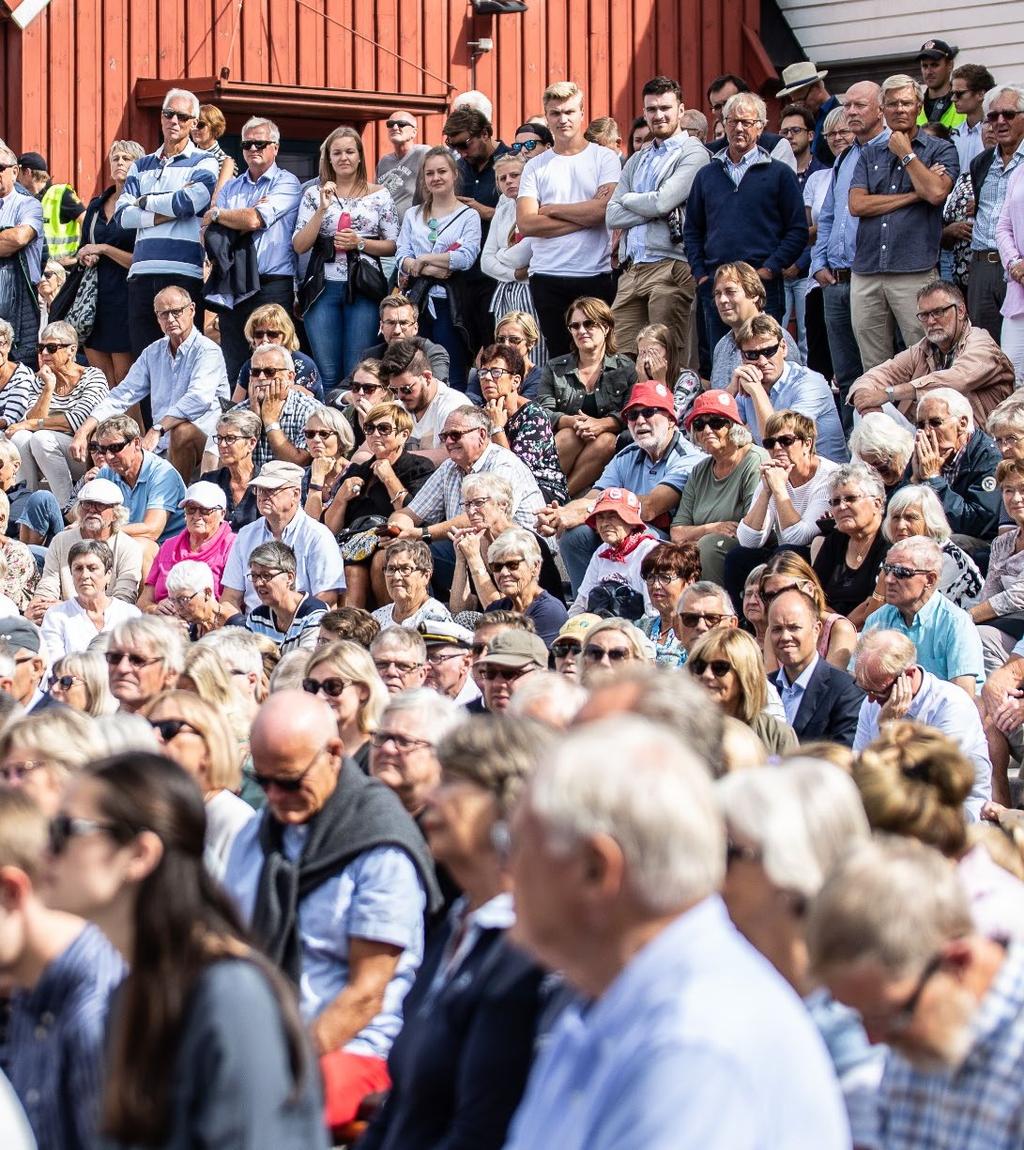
77, 74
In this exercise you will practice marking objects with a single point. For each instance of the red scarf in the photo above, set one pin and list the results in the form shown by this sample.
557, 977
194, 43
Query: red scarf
619, 553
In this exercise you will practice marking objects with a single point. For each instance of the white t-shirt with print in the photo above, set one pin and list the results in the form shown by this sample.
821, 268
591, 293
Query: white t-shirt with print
426, 429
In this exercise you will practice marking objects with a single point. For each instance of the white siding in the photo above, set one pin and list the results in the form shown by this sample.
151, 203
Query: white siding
989, 33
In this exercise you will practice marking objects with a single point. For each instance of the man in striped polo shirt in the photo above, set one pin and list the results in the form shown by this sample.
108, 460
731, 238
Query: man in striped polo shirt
164, 199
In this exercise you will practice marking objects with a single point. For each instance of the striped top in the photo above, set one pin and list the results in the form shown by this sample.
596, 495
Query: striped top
180, 187
76, 407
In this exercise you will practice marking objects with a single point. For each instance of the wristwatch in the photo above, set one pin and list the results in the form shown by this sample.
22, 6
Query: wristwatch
425, 534
907, 159
158, 428
215, 215
890, 393
272, 427
361, 246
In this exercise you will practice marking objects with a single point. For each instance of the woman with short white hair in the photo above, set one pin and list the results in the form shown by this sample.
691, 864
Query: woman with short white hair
514, 561
882, 443
192, 598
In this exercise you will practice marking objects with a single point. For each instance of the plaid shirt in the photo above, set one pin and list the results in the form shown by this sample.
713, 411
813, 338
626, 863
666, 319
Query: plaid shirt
440, 498
298, 407
980, 1106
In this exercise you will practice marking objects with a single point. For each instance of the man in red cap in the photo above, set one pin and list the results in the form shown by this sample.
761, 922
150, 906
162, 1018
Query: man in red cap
655, 466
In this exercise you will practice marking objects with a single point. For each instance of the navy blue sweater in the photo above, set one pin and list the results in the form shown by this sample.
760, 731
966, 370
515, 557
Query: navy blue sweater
762, 221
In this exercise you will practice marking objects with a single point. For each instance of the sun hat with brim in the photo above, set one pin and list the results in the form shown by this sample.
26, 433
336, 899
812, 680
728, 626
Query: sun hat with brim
650, 393
101, 491
800, 75
624, 503
515, 648
277, 473
208, 495
578, 626
713, 402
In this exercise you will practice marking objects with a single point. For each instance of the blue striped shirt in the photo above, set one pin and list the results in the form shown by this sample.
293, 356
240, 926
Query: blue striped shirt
55, 1039
179, 187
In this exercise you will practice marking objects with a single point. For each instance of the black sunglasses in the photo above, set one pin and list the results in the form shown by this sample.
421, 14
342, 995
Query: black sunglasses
456, 436
365, 388
648, 413
563, 648
333, 688
399, 124
52, 348
109, 448
719, 667
715, 422
781, 440
181, 117
615, 654
290, 785
378, 428
462, 145
506, 674
256, 145
169, 729
63, 828
898, 571
753, 354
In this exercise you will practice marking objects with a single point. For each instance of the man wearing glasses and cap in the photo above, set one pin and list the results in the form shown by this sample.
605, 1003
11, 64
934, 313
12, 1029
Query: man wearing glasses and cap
449, 659
936, 59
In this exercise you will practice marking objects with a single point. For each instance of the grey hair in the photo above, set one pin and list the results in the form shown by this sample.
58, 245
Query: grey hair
181, 94
897, 83
289, 672
549, 698
161, 636
262, 122
275, 554
515, 539
122, 514
341, 427
922, 551
130, 148
485, 484
705, 587
993, 94
60, 330
751, 98
881, 437
439, 713
860, 475
8, 452
8, 665
237, 649
401, 638
957, 405
91, 668
474, 416
247, 423
1006, 416
279, 349
12, 157
92, 547
936, 525
939, 286
891, 901
739, 435
894, 651
122, 732
651, 796
120, 425
6, 331
188, 575
832, 119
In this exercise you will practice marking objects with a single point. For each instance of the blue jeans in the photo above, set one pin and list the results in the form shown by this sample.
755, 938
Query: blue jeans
41, 514
340, 332
440, 329
796, 306
842, 343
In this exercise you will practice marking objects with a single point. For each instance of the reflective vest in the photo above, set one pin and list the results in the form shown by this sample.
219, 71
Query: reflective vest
62, 239
950, 118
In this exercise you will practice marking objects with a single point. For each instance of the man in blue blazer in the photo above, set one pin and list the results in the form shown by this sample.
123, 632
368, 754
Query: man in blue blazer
821, 702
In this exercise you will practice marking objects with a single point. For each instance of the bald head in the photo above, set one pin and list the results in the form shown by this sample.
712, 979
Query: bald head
292, 722
863, 104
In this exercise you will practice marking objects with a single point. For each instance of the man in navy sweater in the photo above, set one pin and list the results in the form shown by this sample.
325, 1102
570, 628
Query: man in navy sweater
744, 206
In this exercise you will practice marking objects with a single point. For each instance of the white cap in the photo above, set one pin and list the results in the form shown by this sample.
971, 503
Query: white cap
101, 491
208, 495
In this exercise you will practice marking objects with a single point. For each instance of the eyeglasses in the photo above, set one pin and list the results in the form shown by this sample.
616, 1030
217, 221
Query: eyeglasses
15, 772
49, 275
738, 123
402, 570
933, 421
384, 429
934, 312
407, 389
456, 436
462, 145
109, 448
1008, 116
840, 134
403, 743
229, 440
199, 124
181, 117
332, 688
898, 571
1009, 440
290, 785
506, 674
399, 665
266, 372
493, 372
844, 500
505, 565
662, 578
393, 321
647, 413
365, 389
715, 422
525, 146
753, 354
169, 729
265, 576
510, 340
434, 658
266, 333
8, 167
782, 440
52, 348
257, 145
904, 1015
693, 618
565, 648
63, 828
195, 509
612, 654
959, 93
787, 132
318, 433
136, 662
65, 682
181, 601
399, 124
477, 504
900, 105
738, 852
583, 325
719, 667
174, 312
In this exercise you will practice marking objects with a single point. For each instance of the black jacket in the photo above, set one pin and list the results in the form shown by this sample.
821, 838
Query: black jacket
972, 502
980, 166
830, 705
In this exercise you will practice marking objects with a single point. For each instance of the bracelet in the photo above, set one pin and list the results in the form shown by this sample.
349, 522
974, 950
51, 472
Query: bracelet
316, 487
39, 423
399, 494
875, 595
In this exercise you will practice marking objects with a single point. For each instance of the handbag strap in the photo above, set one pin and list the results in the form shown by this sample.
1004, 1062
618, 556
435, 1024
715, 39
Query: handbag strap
458, 215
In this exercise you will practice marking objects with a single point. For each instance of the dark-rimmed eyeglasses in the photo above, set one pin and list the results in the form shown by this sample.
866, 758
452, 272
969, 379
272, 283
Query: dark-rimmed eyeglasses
383, 664
195, 509
52, 348
257, 145
136, 662
181, 117
786, 441
399, 124
493, 372
265, 576
934, 312
229, 440
333, 688
509, 565
318, 433
64, 828
692, 618
902, 1017
403, 570
403, 743
787, 132
290, 785
490, 672
899, 571
365, 388
719, 667
753, 354
169, 729
456, 436
65, 682
715, 422
173, 312
525, 146
462, 145
959, 93
738, 122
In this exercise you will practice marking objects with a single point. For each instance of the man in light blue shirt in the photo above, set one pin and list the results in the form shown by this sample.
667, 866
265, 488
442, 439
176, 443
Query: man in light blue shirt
684, 1036
947, 641
261, 202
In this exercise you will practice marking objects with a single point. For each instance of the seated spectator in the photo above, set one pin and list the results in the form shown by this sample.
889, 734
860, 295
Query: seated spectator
767, 382
667, 570
408, 566
897, 687
370, 491
365, 388
1005, 425
583, 394
728, 665
16, 379
1000, 610
42, 752
958, 462
568, 644
343, 674
19, 572
287, 615
954, 354
487, 983
610, 647
144, 657
282, 406
197, 736
152, 489
519, 423
848, 561
659, 360
549, 699
207, 539
510, 656
400, 657
514, 560
449, 658
739, 295
81, 683
329, 441
427, 398
98, 513
271, 324
191, 598
914, 511
702, 607
485, 628
346, 622
320, 572
656, 467
788, 571
400, 320
612, 583
69, 627
20, 498
238, 433
887, 446
50, 408
722, 486
519, 331
820, 701
183, 377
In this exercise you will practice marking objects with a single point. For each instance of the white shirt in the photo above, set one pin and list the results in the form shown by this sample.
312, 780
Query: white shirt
226, 814
427, 426
67, 629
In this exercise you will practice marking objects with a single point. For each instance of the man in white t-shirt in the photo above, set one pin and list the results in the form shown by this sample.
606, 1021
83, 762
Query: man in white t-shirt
563, 196
406, 370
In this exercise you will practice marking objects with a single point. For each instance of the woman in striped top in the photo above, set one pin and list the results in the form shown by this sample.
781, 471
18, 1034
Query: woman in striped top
14, 378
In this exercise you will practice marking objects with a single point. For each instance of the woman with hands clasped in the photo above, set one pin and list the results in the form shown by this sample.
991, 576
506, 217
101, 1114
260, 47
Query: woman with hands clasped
329, 441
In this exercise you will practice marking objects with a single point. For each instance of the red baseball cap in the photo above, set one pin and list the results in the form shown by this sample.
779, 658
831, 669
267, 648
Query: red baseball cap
650, 393
713, 403
624, 503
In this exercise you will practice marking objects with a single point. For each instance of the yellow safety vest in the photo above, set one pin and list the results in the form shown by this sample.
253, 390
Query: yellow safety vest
62, 239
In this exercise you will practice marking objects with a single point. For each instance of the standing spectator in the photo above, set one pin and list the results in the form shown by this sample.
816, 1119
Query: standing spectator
108, 247
938, 107
1010, 238
804, 85
967, 90
262, 204
897, 193
719, 92
744, 206
206, 134
343, 218
656, 285
563, 196
21, 258
165, 195
399, 170
62, 209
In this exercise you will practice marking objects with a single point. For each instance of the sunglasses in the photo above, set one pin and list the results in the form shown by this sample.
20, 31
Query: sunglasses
266, 372
693, 618
366, 388
407, 388
614, 654
169, 729
526, 146
52, 348
506, 674
317, 433
995, 117
63, 828
256, 145
715, 422
136, 662
181, 117
195, 509
647, 413
65, 682
266, 333
753, 354
456, 436
511, 340
898, 571
583, 325
505, 565
719, 667
332, 688
399, 124
781, 440
462, 145
564, 648
384, 429
265, 782
8, 167
844, 500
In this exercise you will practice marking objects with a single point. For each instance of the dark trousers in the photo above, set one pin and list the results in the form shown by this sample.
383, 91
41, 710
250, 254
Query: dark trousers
477, 293
986, 290
775, 306
552, 296
233, 344
143, 328
819, 358
842, 343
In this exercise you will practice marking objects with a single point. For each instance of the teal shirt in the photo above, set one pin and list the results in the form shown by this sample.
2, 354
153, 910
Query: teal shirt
945, 636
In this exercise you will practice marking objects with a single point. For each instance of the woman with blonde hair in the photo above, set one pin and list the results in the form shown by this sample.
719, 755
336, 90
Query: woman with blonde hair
209, 127
80, 681
344, 675
39, 752
610, 646
329, 441
270, 325
344, 220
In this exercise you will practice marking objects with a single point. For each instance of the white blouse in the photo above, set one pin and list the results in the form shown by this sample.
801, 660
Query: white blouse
373, 216
68, 629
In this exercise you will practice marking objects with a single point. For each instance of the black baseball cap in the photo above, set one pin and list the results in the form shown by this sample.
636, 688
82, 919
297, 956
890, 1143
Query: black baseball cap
34, 161
937, 50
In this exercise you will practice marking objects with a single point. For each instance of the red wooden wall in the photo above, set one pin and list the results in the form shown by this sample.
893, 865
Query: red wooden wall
68, 80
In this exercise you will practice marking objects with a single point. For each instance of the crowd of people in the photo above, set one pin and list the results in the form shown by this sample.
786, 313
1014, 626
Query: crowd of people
523, 646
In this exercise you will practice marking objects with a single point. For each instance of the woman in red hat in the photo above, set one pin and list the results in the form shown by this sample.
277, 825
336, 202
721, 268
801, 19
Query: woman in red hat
614, 570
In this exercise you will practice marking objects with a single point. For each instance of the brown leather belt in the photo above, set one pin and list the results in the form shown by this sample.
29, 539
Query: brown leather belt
988, 256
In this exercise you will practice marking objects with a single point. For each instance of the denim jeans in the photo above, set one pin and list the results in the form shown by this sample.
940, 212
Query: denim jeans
41, 514
440, 329
340, 332
796, 297
842, 343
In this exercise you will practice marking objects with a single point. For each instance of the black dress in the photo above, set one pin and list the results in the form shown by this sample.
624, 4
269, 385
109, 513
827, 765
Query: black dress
845, 589
412, 472
110, 331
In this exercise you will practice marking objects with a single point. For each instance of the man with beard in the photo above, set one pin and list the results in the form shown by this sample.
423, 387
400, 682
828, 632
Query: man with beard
407, 371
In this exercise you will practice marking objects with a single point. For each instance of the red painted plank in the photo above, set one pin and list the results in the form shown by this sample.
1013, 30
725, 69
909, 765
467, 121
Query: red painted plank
86, 155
